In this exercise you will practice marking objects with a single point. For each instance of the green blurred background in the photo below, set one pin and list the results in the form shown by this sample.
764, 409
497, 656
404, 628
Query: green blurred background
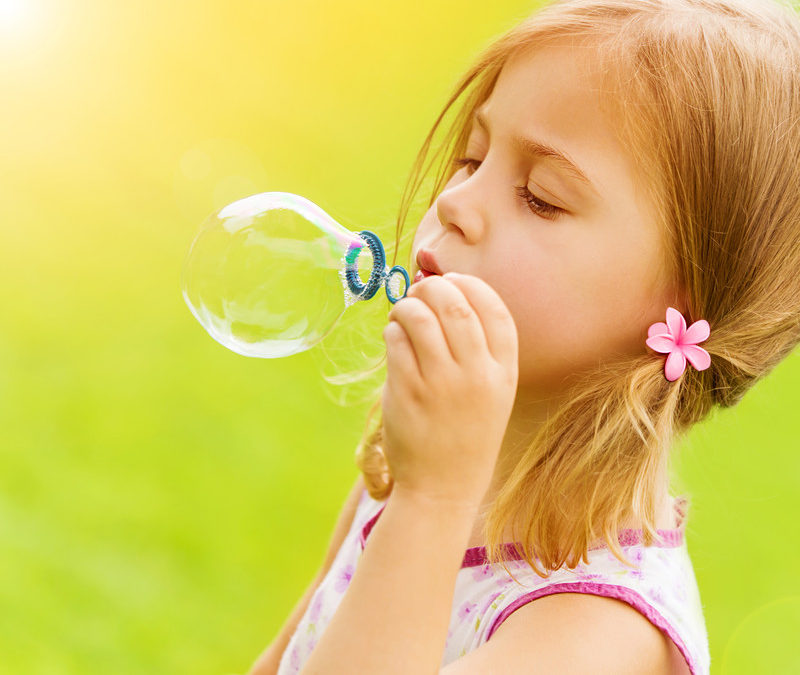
163, 501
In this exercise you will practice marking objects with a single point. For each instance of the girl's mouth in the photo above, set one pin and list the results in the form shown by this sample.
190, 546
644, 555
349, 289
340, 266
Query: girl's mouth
421, 274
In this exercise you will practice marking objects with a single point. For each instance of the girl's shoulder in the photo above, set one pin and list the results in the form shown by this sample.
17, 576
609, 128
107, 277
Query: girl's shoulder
660, 584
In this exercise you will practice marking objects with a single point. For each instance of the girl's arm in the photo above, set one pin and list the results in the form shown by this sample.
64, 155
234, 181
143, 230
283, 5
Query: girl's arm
452, 371
268, 662
395, 614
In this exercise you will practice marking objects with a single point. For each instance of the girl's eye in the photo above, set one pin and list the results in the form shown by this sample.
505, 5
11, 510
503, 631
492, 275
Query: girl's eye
536, 205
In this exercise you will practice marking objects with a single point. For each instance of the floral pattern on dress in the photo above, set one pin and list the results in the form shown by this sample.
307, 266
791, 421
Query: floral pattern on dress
343, 578
481, 572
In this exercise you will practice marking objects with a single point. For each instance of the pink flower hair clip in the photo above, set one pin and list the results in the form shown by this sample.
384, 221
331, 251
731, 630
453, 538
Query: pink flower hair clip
680, 343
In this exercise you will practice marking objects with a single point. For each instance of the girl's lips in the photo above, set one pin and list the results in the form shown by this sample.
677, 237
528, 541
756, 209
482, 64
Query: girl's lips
427, 261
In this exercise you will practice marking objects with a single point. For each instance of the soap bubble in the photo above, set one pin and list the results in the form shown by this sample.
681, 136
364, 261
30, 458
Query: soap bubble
271, 274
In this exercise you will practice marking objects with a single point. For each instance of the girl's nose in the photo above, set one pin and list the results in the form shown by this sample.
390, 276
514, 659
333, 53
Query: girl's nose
462, 207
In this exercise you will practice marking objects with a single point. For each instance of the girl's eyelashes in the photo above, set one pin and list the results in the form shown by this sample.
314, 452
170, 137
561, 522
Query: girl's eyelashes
539, 207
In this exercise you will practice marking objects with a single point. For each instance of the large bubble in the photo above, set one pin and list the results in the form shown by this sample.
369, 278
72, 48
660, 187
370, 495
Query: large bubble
271, 274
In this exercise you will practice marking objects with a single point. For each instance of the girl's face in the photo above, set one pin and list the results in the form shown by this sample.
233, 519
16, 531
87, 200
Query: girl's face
584, 281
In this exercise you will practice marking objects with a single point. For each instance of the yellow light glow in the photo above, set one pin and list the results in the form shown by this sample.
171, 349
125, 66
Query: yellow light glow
16, 17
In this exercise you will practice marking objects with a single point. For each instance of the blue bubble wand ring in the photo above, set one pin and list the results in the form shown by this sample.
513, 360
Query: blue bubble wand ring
378, 275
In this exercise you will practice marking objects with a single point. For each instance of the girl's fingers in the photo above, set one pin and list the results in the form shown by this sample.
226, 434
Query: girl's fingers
497, 322
401, 362
460, 324
424, 333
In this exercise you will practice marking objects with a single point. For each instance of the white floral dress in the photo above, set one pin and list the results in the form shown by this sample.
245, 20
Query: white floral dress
662, 586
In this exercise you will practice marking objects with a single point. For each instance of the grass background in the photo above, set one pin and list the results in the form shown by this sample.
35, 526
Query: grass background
164, 501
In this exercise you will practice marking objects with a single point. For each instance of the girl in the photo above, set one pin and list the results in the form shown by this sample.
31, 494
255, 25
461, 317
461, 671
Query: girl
621, 185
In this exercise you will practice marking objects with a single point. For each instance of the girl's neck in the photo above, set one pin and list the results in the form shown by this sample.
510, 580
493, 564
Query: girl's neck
527, 417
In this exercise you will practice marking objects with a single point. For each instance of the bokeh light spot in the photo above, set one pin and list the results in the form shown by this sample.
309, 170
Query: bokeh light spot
759, 643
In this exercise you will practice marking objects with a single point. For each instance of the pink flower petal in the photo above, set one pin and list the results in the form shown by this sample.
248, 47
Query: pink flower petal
697, 332
698, 357
658, 328
675, 365
661, 343
676, 323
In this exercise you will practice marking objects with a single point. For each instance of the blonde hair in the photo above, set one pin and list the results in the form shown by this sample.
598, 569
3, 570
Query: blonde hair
707, 98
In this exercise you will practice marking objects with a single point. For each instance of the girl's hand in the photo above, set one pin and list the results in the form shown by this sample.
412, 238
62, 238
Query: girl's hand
452, 371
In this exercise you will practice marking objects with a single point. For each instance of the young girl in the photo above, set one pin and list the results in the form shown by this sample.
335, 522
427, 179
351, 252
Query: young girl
621, 185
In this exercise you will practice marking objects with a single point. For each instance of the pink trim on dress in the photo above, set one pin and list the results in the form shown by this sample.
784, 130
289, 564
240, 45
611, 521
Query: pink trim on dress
607, 590
476, 555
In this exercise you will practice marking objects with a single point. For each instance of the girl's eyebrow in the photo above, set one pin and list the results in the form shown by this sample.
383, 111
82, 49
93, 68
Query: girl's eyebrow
534, 148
